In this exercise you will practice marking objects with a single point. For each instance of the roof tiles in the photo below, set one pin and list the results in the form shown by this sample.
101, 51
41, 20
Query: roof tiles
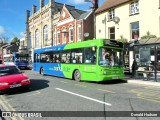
109, 4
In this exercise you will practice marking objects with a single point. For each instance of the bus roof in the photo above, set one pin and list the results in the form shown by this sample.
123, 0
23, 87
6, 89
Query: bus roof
88, 43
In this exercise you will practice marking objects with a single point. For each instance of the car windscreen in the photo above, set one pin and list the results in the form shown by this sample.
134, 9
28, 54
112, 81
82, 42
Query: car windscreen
9, 70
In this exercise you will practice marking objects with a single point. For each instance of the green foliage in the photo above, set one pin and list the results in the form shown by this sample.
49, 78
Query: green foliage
122, 39
148, 36
14, 40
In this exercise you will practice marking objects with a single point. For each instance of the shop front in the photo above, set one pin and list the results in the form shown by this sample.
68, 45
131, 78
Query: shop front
147, 59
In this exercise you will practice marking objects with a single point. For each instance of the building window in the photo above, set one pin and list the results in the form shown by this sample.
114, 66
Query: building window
112, 33
135, 30
58, 37
134, 8
111, 15
64, 35
79, 33
45, 34
37, 39
71, 34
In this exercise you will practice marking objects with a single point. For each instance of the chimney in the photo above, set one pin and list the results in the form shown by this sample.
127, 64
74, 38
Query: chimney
95, 4
41, 3
27, 19
34, 9
27, 15
51, 1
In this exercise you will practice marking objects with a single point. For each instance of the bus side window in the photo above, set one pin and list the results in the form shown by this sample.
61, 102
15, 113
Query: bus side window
77, 56
54, 58
90, 55
49, 57
57, 58
42, 58
65, 56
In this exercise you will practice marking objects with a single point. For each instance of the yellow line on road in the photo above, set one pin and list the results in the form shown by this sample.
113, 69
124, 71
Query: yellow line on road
80, 85
36, 93
147, 94
145, 91
145, 98
9, 108
7, 100
152, 87
106, 90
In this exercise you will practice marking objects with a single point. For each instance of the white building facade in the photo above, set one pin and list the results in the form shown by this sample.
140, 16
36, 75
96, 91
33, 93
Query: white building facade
128, 19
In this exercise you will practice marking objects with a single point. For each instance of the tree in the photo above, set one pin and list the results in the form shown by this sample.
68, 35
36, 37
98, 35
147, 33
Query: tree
14, 40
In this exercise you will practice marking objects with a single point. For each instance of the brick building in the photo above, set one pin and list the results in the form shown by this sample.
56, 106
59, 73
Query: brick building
72, 26
54, 22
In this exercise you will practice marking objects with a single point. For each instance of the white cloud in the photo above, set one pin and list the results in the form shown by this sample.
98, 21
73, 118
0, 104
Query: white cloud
76, 2
2, 30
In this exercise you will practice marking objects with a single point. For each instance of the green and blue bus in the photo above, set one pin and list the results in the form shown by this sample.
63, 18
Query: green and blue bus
91, 60
19, 59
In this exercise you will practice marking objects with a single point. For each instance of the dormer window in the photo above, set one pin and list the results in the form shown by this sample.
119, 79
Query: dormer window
111, 15
134, 8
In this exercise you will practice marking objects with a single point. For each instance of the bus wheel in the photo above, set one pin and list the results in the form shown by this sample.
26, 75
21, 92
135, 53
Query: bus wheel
77, 75
42, 71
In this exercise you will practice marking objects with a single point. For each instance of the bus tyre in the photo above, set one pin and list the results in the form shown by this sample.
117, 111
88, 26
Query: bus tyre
42, 71
77, 75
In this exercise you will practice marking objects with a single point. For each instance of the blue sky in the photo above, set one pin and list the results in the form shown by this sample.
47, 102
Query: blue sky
13, 14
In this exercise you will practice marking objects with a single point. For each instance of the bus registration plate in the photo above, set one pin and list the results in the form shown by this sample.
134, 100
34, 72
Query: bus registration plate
16, 85
115, 77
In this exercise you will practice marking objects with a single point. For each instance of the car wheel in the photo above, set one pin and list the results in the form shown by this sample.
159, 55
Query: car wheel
77, 75
42, 71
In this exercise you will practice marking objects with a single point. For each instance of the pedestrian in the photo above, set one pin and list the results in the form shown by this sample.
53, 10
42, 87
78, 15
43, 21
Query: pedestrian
134, 68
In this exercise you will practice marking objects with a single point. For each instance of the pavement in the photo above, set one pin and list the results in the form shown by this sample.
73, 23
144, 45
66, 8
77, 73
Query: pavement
141, 81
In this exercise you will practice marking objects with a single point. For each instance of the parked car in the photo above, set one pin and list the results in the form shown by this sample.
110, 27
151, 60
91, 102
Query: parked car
11, 77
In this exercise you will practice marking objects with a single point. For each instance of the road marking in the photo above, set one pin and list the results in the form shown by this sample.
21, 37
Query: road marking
37, 92
84, 97
106, 90
147, 93
9, 108
145, 98
7, 100
80, 85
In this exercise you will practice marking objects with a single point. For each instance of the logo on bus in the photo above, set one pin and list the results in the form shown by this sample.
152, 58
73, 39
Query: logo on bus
65, 69
57, 69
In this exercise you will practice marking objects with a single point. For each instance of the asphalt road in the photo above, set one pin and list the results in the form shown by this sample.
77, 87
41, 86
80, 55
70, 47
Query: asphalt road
52, 94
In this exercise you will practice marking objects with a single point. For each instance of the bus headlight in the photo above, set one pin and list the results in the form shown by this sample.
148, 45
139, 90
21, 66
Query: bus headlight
104, 72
